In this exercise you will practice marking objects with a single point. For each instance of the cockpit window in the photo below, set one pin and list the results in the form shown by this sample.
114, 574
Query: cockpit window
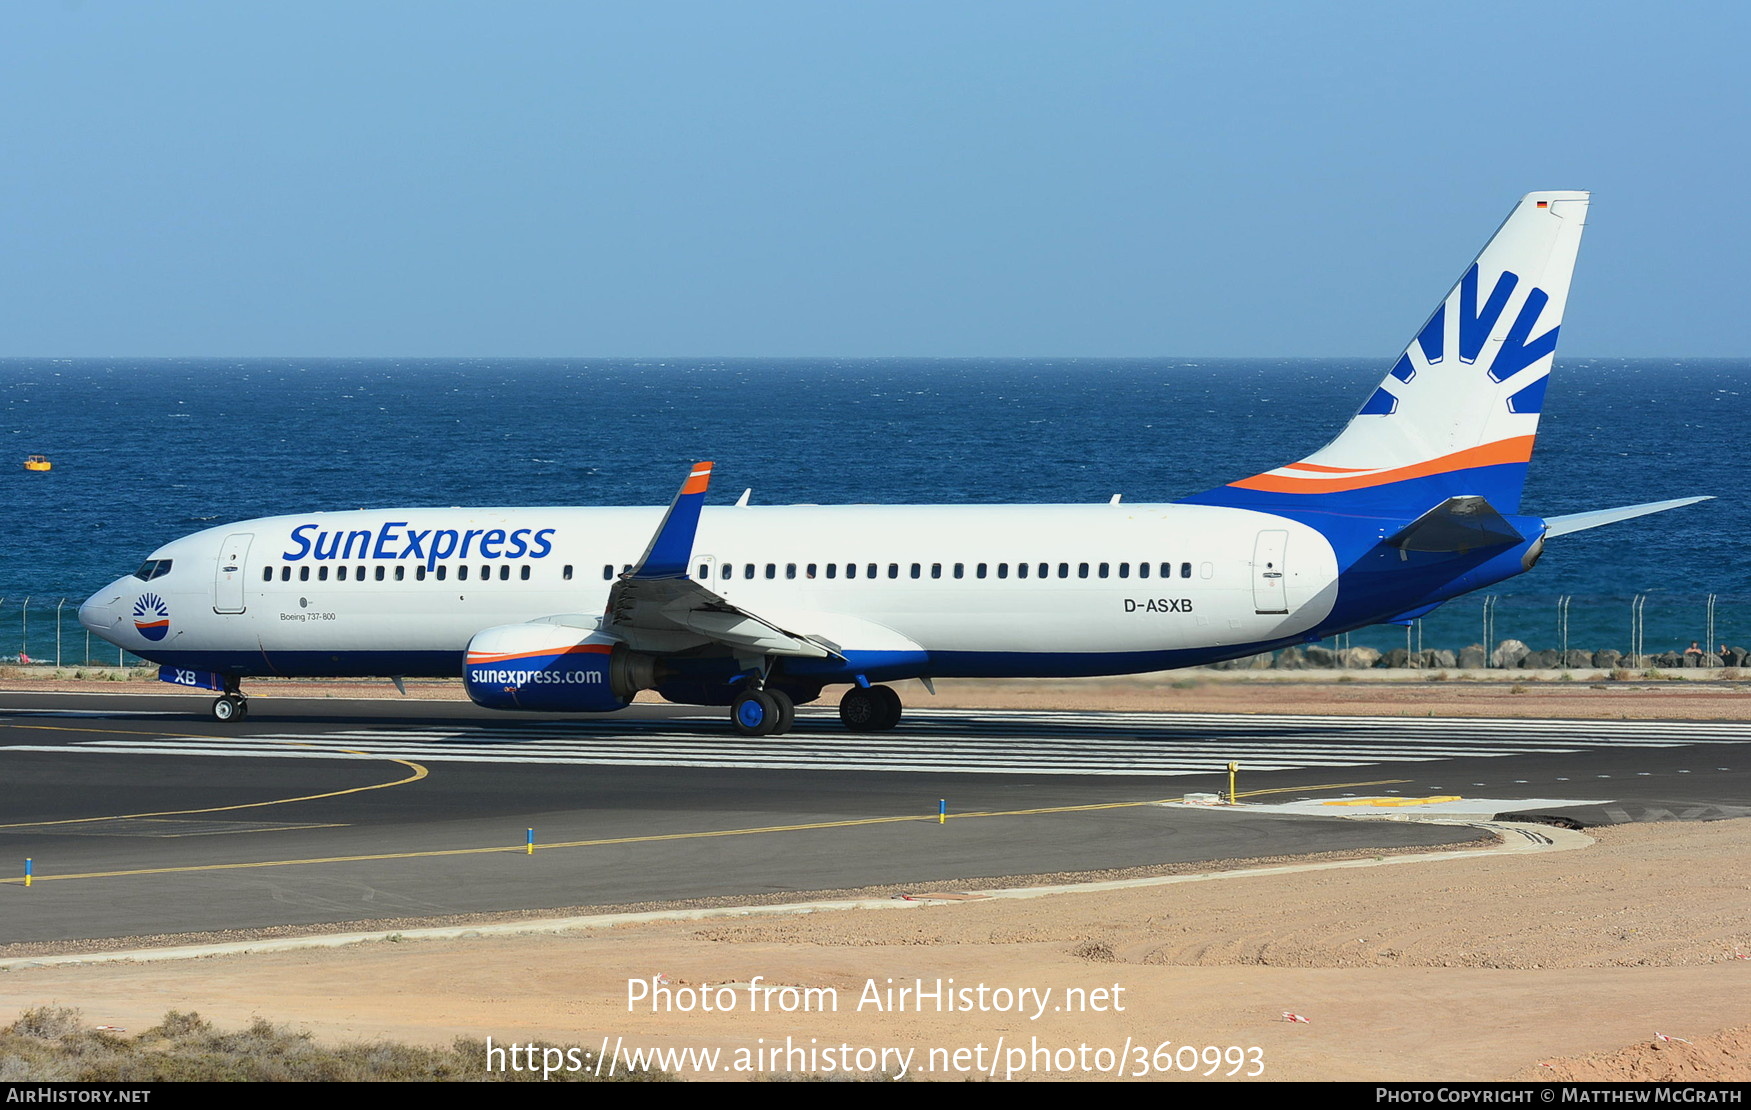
152, 568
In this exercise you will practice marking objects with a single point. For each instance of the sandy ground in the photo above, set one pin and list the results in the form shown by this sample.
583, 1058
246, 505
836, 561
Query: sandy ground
1569, 964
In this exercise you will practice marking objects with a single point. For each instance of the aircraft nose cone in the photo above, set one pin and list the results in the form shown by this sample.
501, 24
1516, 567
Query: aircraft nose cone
95, 615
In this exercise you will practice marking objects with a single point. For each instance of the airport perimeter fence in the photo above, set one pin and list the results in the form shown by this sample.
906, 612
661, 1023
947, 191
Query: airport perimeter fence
35, 629
46, 629
1639, 627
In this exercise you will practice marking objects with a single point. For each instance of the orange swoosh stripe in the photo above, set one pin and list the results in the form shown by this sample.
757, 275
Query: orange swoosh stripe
476, 658
1516, 450
1316, 468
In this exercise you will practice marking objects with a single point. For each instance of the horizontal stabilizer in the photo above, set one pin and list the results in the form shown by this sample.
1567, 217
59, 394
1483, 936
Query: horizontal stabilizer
1580, 522
1457, 524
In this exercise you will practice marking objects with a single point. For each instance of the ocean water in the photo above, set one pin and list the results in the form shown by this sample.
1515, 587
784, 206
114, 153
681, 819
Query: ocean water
148, 450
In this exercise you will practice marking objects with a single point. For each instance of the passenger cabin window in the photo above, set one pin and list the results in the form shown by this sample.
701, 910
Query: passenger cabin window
461, 573
1185, 570
832, 570
1142, 570
442, 571
322, 574
285, 574
419, 574
267, 574
400, 573
917, 570
607, 573
379, 574
979, 571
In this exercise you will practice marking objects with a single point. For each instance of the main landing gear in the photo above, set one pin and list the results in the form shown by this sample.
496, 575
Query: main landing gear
770, 712
763, 713
871, 709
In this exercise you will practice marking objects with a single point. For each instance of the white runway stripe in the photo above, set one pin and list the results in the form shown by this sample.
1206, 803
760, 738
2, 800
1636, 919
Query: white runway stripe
967, 741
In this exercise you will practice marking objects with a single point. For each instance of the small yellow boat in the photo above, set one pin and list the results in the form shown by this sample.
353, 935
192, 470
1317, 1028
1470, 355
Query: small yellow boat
37, 462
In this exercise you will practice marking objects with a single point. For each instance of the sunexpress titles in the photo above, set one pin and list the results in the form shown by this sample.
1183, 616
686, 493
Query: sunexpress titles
395, 540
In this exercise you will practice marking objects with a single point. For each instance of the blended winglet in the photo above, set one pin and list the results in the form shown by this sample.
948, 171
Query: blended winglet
672, 545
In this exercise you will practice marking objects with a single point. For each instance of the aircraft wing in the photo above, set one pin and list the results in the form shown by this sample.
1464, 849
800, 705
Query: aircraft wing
656, 607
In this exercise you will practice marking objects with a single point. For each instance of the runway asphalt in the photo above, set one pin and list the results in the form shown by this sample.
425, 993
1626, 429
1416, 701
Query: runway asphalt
141, 816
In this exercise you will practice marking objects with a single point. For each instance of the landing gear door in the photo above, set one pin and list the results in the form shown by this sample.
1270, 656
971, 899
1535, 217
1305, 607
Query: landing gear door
228, 575
1268, 592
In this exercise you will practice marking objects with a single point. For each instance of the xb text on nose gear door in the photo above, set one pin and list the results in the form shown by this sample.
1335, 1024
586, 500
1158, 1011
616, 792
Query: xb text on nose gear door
228, 575
1268, 592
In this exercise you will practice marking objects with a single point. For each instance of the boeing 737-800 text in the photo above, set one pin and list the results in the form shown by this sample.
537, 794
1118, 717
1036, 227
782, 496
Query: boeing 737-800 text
1416, 501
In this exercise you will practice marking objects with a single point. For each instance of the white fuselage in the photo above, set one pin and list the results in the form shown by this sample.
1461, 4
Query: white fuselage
1051, 589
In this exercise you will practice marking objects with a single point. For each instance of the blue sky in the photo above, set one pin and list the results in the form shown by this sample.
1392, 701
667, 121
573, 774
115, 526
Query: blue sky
803, 179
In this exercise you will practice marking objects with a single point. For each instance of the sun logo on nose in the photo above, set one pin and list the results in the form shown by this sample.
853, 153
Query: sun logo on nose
152, 617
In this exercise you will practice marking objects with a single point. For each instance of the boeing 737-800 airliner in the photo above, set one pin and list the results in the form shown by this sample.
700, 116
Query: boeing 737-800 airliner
577, 610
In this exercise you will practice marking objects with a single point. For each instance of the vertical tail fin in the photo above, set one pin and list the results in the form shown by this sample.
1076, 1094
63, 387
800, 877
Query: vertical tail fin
1457, 413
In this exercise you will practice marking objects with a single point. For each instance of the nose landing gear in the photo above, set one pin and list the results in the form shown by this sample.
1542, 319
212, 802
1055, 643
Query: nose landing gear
231, 705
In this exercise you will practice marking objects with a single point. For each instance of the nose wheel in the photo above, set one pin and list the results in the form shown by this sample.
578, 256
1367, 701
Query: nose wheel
230, 707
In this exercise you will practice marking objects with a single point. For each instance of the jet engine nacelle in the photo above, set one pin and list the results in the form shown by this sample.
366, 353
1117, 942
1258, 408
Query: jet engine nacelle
554, 667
